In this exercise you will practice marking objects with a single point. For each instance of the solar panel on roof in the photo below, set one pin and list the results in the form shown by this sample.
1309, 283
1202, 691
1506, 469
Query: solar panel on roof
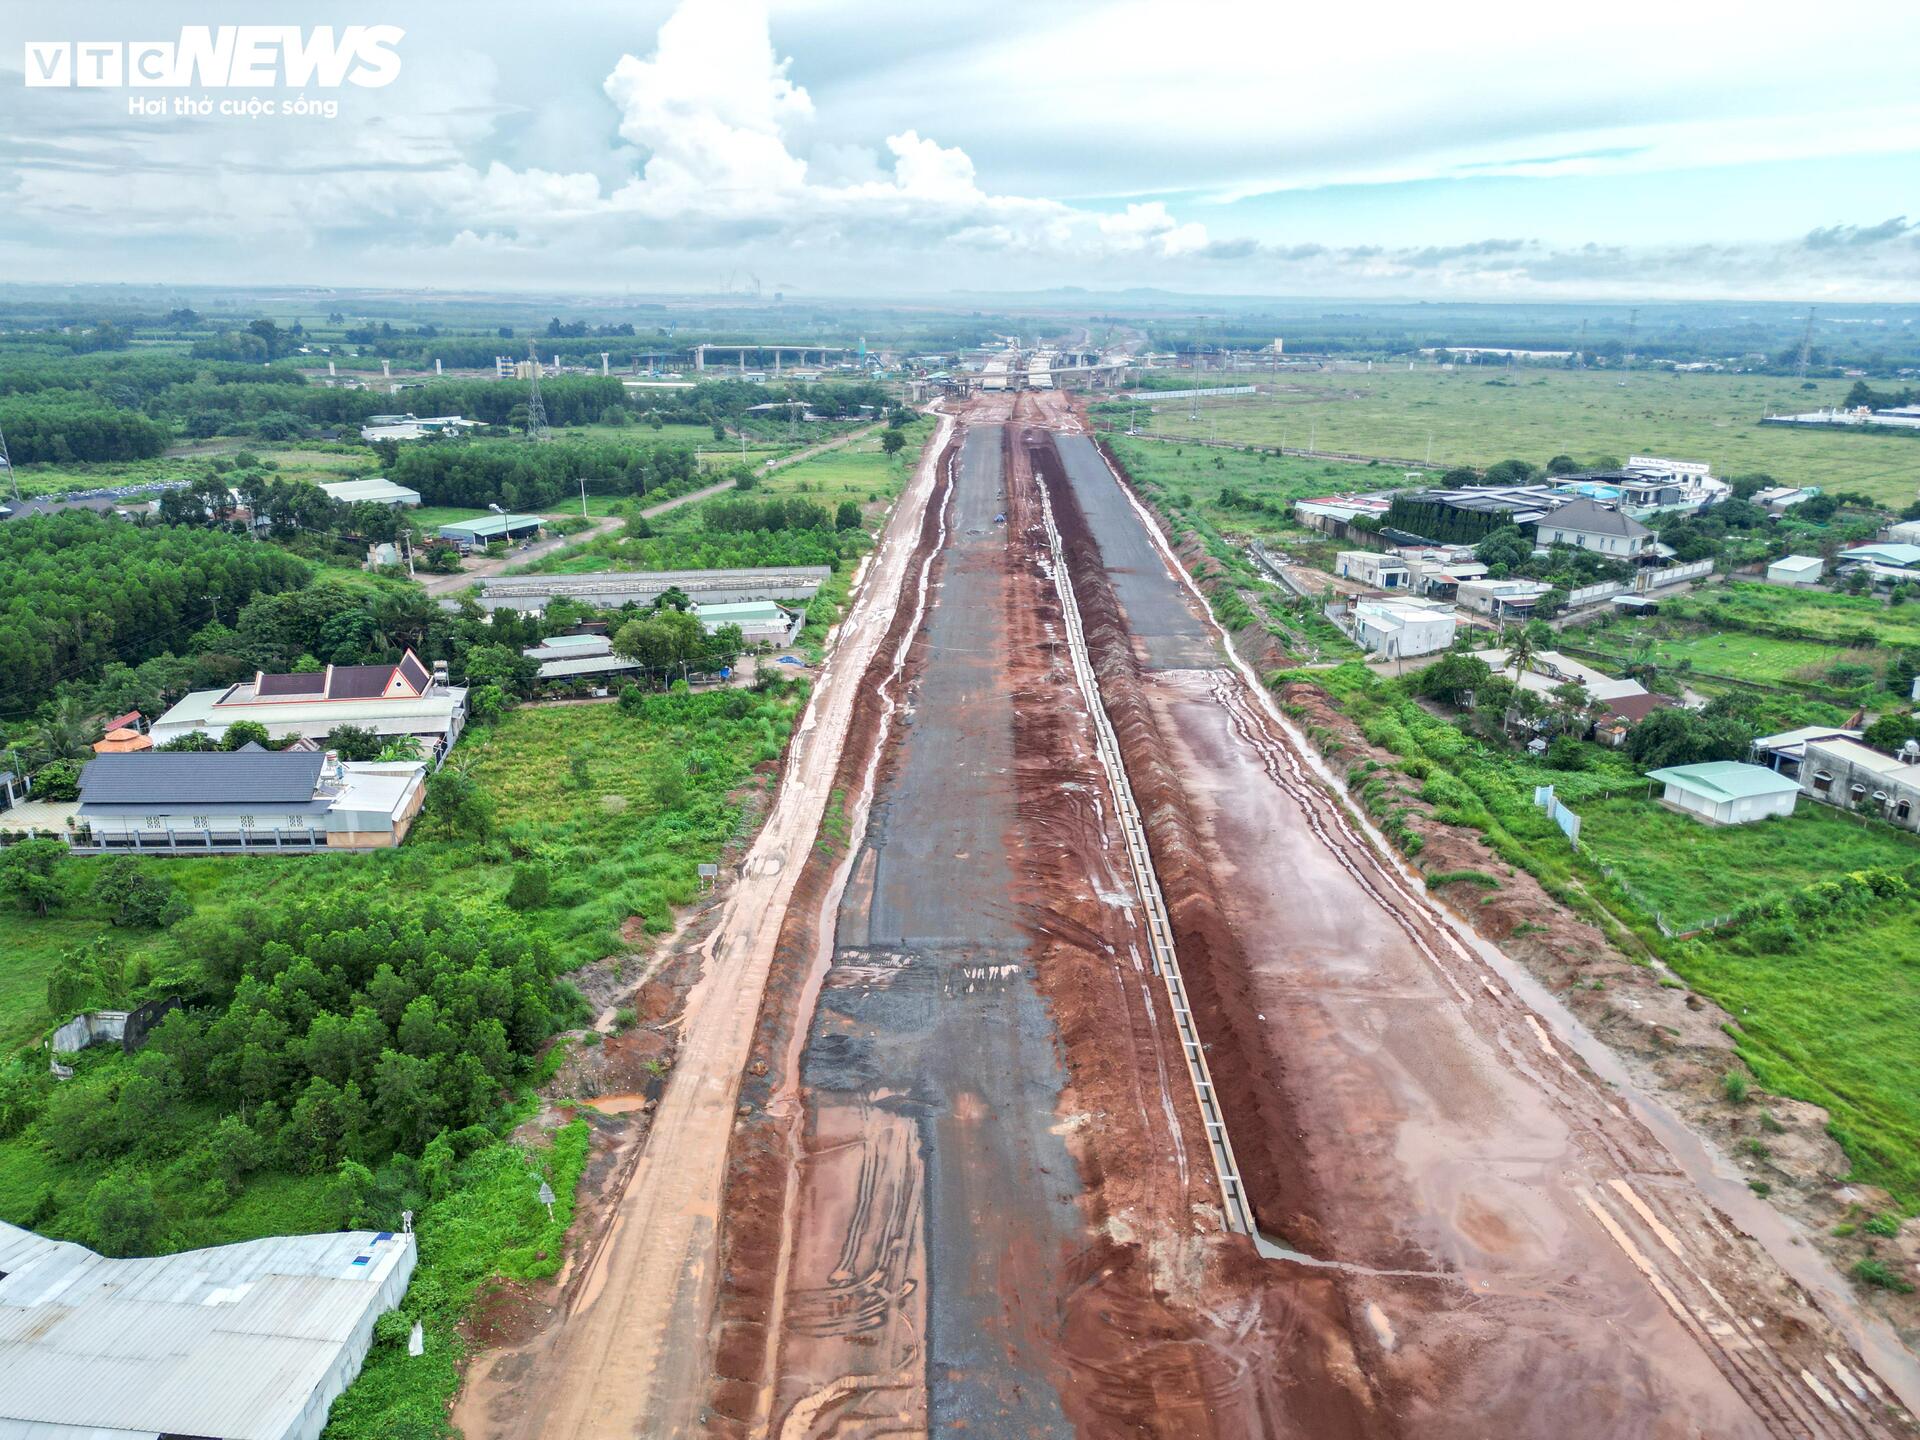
359, 682
288, 685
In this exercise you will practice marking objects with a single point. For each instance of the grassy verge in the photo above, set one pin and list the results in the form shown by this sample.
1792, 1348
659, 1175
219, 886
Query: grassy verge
1830, 1018
489, 1226
1691, 874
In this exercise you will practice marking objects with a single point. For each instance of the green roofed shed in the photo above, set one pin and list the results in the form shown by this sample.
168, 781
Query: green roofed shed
1727, 792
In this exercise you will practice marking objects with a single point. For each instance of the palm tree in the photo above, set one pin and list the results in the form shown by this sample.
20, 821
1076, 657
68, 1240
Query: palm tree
402, 747
65, 734
1519, 651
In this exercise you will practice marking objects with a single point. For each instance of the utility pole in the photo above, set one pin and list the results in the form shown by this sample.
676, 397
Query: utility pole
583, 497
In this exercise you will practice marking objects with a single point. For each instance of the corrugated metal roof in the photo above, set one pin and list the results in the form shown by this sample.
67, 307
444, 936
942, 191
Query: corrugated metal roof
237, 1342
1724, 779
380, 491
214, 777
586, 665
395, 715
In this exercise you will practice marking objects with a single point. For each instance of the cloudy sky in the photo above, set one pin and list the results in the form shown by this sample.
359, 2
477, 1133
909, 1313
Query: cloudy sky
1643, 148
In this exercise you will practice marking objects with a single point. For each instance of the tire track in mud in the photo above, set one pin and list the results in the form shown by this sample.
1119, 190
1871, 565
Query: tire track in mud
749, 1305
1247, 1356
1784, 1394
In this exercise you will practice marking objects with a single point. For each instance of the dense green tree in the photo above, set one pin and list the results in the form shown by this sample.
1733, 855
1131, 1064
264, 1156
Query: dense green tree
135, 895
1675, 736
123, 1218
78, 592
459, 805
532, 883
353, 742
29, 873
501, 665
1452, 678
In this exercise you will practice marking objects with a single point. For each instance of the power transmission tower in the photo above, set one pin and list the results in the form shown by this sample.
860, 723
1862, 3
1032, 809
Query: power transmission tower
536, 407
7, 471
1806, 344
1580, 356
1633, 321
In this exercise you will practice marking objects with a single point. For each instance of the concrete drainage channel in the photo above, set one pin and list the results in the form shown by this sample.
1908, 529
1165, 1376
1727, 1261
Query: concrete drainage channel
1239, 1214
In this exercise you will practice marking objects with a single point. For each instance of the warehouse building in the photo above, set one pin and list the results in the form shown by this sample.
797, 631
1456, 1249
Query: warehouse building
612, 589
376, 491
578, 657
400, 699
1726, 792
485, 531
241, 1342
761, 622
1796, 570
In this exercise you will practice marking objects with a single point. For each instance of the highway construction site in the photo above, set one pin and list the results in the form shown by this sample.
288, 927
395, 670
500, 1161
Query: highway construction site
1068, 1059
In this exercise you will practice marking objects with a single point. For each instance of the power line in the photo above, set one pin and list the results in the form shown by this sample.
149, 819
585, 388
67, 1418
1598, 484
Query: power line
536, 407
6, 464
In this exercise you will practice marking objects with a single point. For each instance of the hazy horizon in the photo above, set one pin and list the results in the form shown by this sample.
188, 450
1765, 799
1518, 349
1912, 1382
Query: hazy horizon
844, 149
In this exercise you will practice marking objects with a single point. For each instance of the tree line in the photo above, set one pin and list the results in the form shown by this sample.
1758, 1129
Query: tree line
517, 476
78, 592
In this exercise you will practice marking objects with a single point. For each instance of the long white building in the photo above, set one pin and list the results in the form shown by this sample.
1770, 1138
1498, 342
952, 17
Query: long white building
245, 1342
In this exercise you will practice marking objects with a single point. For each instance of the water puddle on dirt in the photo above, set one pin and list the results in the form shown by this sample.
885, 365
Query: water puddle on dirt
622, 1104
1716, 1179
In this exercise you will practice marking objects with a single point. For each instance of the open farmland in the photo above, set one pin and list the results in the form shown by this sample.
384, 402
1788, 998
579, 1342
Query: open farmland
1477, 415
1238, 491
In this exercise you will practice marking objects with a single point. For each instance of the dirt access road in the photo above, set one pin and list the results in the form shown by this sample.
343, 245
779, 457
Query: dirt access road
481, 569
629, 1359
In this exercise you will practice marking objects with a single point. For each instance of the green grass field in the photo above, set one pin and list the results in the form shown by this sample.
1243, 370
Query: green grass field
1477, 415
188, 462
429, 518
859, 471
1811, 614
1832, 1021
1691, 873
1733, 654
1240, 493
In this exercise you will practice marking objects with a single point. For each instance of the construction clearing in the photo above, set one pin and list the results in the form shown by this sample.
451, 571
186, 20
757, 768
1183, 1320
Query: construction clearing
1068, 1058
